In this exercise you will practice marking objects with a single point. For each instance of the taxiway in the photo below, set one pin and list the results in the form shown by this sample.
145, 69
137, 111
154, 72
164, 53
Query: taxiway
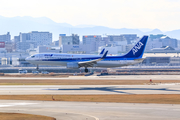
89, 89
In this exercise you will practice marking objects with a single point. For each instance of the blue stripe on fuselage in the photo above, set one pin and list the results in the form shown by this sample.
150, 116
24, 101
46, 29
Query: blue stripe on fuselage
108, 58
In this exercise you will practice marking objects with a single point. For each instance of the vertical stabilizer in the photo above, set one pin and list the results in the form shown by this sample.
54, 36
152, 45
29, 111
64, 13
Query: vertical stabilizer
138, 50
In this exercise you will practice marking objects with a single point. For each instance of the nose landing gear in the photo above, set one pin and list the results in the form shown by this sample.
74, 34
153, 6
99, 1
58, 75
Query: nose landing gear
37, 68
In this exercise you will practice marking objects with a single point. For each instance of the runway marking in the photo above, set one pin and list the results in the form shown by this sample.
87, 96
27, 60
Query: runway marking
16, 104
168, 84
84, 115
92, 116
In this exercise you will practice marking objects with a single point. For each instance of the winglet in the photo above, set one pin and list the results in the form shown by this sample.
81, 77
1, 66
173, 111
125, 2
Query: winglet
104, 56
102, 52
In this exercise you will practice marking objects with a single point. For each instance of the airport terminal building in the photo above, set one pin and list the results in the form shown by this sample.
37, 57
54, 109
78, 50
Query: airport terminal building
161, 59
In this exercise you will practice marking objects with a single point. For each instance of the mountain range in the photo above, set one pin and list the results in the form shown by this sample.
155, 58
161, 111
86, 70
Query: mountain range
26, 24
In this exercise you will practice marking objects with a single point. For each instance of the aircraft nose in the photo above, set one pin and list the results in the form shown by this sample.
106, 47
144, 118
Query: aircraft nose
27, 59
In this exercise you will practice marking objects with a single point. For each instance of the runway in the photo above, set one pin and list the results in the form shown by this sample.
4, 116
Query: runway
89, 89
93, 111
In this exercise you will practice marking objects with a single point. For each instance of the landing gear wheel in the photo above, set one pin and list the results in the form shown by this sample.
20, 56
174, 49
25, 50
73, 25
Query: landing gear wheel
37, 68
86, 70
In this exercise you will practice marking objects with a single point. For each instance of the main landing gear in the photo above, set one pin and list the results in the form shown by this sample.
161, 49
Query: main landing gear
86, 70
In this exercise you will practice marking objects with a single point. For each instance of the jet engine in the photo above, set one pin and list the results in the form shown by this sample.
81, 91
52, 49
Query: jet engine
72, 65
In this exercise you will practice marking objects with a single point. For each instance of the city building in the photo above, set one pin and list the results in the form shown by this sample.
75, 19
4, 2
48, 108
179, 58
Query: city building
47, 49
167, 41
76, 49
56, 43
123, 42
16, 41
153, 43
5, 38
158, 36
10, 46
130, 38
124, 37
68, 40
117, 44
94, 41
111, 49
2, 47
31, 40
157, 42
5, 43
116, 49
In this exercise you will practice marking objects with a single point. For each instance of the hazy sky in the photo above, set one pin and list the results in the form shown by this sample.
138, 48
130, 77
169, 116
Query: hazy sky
162, 14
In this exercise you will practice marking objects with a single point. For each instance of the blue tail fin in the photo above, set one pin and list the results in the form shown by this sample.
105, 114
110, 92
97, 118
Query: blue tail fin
102, 52
138, 50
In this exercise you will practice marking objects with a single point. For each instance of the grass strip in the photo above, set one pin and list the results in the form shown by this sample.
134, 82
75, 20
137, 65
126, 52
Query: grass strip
20, 116
145, 98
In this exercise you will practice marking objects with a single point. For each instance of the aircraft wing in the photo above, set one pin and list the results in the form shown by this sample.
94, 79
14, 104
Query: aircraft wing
92, 62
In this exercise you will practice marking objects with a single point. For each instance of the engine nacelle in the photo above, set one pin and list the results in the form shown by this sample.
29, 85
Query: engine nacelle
72, 65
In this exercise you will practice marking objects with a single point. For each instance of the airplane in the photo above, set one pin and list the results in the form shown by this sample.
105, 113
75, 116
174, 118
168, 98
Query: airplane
75, 61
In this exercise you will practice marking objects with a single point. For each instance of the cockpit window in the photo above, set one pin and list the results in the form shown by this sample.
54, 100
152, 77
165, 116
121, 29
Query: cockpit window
32, 56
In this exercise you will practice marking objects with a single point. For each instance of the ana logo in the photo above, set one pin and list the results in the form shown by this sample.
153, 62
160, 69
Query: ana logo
75, 46
137, 47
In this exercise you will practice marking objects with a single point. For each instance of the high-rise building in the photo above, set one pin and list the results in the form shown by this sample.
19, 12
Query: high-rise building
94, 41
5, 38
68, 40
32, 40
16, 42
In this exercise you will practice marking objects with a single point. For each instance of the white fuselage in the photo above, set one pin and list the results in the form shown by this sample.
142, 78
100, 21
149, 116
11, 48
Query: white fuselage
63, 59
